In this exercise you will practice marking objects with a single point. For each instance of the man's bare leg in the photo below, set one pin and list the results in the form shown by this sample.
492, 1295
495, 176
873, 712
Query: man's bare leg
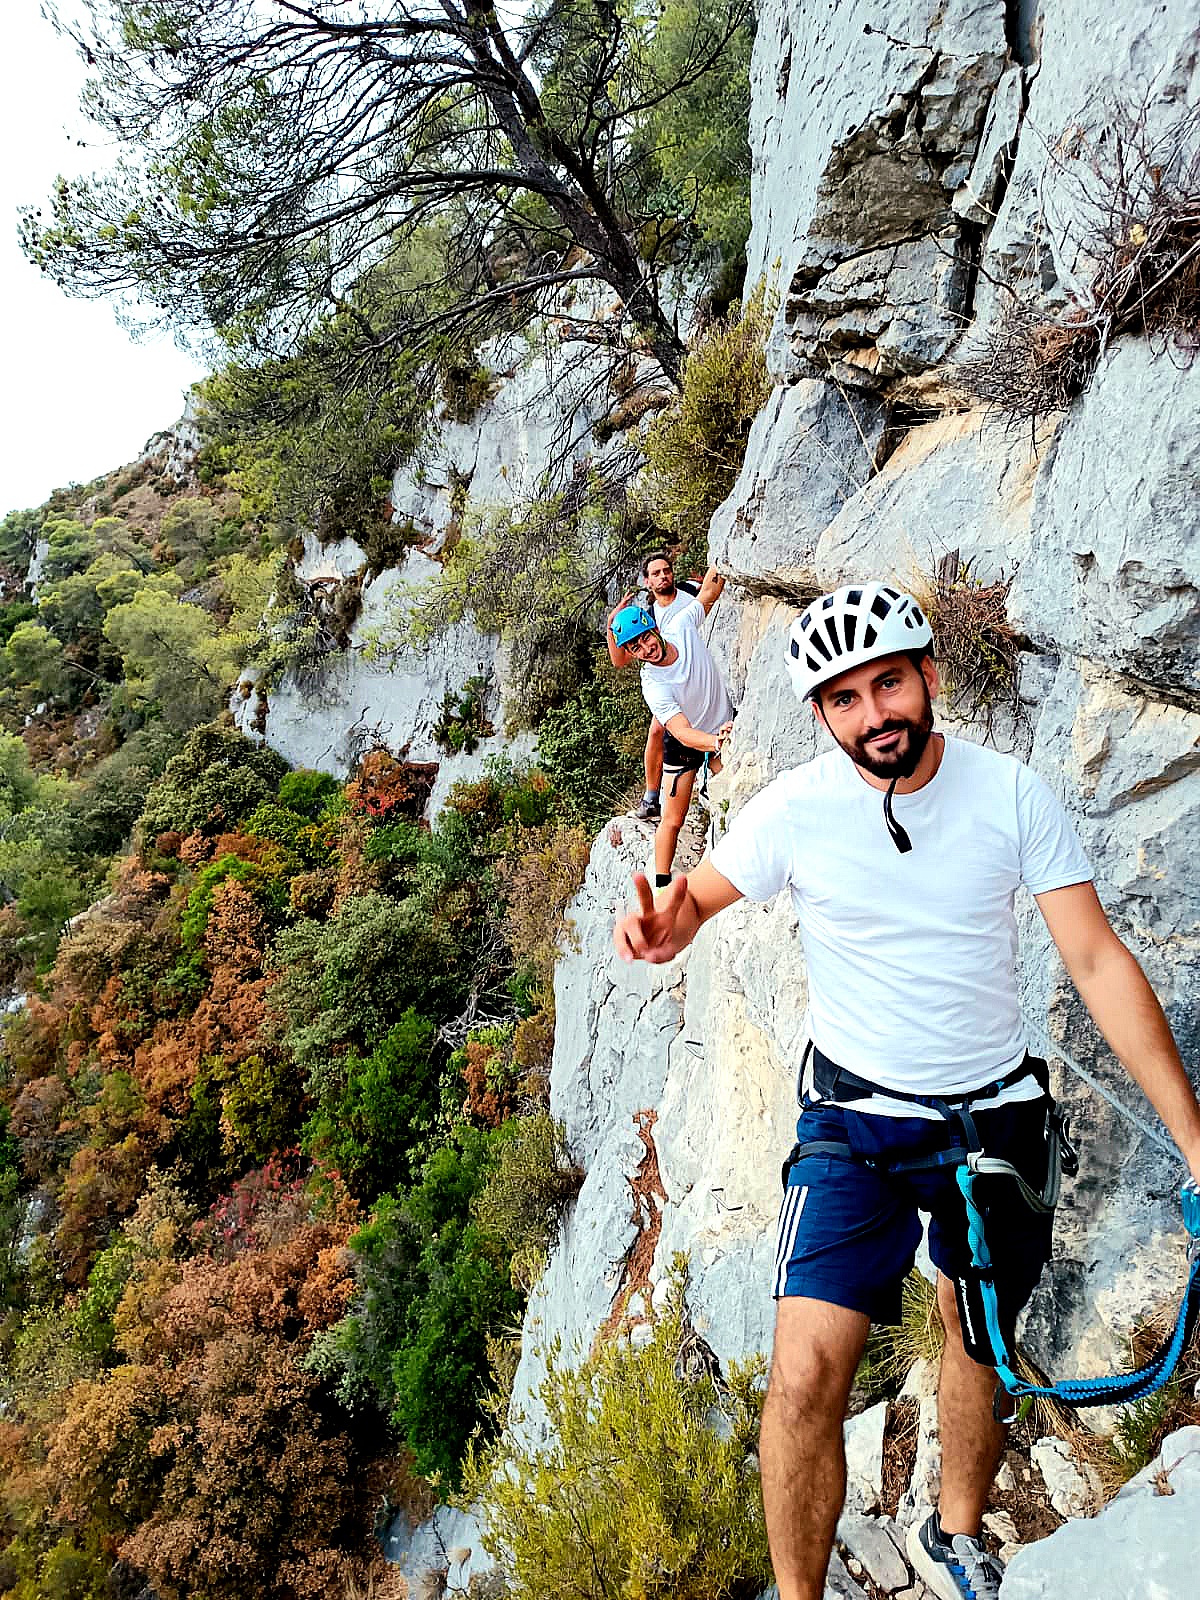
803, 1458
652, 758
674, 810
972, 1441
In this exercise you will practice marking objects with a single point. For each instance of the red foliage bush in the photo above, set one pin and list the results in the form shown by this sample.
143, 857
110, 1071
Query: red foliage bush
384, 787
490, 1099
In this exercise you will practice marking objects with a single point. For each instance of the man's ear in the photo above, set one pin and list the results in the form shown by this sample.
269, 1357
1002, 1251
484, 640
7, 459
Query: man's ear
815, 703
929, 672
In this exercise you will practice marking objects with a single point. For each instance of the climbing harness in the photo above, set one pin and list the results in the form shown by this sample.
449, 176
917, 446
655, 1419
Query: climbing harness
975, 1291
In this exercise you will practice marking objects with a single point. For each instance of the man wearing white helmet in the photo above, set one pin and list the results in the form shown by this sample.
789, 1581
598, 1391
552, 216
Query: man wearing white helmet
903, 849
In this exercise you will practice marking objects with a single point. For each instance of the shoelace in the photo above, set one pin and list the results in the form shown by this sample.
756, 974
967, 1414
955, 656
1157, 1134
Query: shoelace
981, 1571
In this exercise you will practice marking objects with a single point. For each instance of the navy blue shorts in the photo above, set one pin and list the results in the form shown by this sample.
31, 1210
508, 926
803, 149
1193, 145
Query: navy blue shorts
848, 1233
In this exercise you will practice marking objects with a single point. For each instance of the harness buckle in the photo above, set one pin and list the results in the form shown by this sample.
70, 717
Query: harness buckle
1068, 1155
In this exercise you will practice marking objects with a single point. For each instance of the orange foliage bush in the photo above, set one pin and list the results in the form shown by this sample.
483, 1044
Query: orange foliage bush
218, 1462
491, 1099
386, 787
195, 849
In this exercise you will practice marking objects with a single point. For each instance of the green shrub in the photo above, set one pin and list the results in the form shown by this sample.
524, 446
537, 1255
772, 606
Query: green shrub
113, 793
344, 982
524, 1198
375, 1114
307, 791
646, 1484
259, 1105
591, 747
209, 879
432, 1288
16, 611
695, 449
463, 721
507, 792
216, 779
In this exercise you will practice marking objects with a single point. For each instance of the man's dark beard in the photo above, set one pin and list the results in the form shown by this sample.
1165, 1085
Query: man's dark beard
903, 762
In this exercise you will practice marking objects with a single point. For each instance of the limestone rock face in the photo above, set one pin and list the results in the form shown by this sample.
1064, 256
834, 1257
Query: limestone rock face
881, 160
545, 399
679, 1106
1144, 1543
329, 719
877, 121
810, 450
1113, 571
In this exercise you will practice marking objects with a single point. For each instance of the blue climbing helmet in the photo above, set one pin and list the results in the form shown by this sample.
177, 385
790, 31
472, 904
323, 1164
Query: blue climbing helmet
630, 623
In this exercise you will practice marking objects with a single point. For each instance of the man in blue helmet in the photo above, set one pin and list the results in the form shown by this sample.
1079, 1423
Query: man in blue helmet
686, 696
902, 850
667, 600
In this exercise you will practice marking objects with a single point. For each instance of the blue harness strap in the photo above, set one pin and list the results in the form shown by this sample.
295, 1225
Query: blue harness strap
1118, 1388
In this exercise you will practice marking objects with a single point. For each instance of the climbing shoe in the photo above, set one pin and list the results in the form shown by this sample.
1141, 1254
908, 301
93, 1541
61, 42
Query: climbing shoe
955, 1566
648, 811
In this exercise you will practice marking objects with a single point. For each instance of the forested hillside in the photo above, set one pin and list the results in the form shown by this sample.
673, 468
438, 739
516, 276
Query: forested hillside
276, 1166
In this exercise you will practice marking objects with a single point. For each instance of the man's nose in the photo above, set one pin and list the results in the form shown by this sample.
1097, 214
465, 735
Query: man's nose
871, 710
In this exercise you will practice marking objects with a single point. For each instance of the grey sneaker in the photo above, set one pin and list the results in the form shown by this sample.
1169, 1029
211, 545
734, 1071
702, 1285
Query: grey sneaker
648, 811
955, 1568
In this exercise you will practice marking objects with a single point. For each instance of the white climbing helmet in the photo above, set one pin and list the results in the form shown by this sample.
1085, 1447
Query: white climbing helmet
855, 624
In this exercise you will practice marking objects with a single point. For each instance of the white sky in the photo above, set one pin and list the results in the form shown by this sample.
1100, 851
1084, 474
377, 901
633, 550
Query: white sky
78, 396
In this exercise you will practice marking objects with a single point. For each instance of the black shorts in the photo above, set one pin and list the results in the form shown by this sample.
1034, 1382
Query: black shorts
680, 757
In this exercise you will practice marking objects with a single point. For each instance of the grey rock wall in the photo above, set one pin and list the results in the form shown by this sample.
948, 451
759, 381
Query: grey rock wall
1142, 1545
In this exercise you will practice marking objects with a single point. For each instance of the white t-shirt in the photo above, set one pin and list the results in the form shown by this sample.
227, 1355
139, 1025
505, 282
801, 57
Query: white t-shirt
691, 683
664, 615
911, 958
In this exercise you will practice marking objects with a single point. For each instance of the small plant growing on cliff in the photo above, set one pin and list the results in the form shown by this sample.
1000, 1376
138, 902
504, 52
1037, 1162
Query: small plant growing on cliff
522, 1201
893, 1348
648, 1482
539, 880
464, 722
978, 653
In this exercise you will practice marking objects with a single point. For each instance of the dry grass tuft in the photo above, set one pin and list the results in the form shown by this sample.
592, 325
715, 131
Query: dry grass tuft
978, 654
1138, 197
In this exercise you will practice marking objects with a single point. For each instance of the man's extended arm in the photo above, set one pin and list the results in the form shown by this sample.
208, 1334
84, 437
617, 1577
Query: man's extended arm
710, 589
681, 729
1125, 1008
657, 933
617, 653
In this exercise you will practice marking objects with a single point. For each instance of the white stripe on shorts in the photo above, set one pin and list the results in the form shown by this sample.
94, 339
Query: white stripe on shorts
789, 1222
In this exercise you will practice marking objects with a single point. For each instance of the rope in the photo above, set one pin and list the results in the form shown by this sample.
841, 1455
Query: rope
1049, 1048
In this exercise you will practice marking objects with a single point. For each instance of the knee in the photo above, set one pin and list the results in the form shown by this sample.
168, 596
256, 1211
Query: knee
654, 736
807, 1391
